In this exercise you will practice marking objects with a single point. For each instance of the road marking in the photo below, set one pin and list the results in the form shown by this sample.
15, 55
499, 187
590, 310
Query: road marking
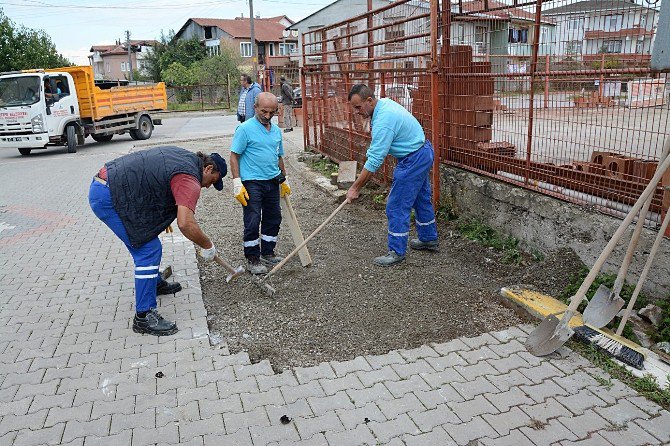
4, 226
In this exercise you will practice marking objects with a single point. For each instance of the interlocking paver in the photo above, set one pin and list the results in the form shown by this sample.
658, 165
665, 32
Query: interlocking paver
446, 376
262, 436
659, 426
124, 437
121, 422
447, 361
412, 355
294, 393
411, 384
328, 422
407, 403
17, 422
351, 418
344, 367
437, 437
580, 401
270, 397
504, 422
474, 429
237, 421
433, 398
47, 436
542, 391
361, 435
412, 368
467, 410
622, 412
582, 425
593, 440
372, 394
168, 434
189, 412
387, 430
240, 438
285, 378
75, 428
307, 374
210, 426
299, 408
60, 415
546, 410
385, 373
329, 403
470, 389
231, 404
515, 438
504, 400
379, 361
427, 420
22, 407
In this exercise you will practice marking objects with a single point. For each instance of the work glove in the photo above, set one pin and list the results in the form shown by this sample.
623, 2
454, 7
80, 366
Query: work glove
284, 189
208, 254
239, 191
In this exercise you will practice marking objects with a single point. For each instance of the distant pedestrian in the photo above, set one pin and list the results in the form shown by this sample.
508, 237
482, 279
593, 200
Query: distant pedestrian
397, 133
287, 101
248, 93
259, 180
138, 196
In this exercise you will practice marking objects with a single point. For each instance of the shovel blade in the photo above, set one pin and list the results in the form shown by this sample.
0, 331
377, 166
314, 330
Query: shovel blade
548, 337
602, 308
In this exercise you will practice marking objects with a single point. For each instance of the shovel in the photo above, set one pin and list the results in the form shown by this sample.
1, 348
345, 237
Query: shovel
605, 303
552, 333
645, 271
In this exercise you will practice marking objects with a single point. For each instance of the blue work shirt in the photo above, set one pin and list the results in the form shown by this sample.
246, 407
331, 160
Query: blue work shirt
259, 150
395, 132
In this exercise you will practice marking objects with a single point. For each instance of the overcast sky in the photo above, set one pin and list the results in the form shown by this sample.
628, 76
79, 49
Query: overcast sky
76, 25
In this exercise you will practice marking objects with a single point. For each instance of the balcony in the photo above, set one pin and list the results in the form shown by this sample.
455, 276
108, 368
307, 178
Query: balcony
626, 58
277, 61
635, 31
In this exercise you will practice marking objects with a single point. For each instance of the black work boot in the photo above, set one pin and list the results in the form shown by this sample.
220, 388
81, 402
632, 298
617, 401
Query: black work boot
154, 324
256, 267
271, 260
417, 244
165, 287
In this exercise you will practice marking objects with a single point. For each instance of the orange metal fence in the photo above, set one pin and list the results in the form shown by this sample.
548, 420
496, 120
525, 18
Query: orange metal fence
553, 96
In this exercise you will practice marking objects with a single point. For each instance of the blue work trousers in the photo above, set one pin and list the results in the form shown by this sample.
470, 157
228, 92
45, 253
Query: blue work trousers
263, 209
411, 190
147, 257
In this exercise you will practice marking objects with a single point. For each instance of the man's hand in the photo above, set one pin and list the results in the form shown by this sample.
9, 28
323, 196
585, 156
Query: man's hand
353, 194
239, 191
284, 189
208, 254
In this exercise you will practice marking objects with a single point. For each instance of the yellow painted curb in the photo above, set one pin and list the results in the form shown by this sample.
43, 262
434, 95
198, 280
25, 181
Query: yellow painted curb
538, 304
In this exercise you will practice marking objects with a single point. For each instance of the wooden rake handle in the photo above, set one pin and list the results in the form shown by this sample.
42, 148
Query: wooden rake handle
311, 236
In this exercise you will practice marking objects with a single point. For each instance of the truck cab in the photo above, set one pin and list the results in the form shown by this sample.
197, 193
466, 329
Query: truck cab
36, 108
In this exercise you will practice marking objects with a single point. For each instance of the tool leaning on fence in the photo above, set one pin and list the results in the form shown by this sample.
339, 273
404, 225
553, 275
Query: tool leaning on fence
552, 333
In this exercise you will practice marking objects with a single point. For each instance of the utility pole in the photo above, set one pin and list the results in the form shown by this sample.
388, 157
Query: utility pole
130, 59
254, 58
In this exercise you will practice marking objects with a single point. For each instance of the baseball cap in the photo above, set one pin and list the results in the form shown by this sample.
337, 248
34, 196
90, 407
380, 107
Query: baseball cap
221, 167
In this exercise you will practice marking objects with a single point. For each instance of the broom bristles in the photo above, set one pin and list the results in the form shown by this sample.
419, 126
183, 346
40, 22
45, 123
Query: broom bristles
612, 347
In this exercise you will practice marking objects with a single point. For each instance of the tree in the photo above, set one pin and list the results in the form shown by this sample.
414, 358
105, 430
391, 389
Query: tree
170, 50
177, 75
218, 69
23, 48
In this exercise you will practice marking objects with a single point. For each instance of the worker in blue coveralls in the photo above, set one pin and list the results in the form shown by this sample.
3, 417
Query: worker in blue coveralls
259, 180
138, 196
397, 133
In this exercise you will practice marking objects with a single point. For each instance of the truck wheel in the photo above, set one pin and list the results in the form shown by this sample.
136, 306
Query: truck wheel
24, 151
144, 128
71, 134
102, 138
133, 134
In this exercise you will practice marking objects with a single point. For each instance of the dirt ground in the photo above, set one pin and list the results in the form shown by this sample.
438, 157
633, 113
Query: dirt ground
343, 306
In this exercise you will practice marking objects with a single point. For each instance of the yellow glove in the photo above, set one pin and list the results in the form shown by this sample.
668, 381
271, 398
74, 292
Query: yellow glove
284, 189
239, 191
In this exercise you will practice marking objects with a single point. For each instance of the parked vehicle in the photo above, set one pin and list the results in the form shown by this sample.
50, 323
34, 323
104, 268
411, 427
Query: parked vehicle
62, 106
297, 95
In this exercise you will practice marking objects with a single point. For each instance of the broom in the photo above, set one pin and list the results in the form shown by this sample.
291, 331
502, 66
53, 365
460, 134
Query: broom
615, 345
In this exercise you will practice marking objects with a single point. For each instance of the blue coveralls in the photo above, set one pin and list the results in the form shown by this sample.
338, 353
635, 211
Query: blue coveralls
147, 257
397, 133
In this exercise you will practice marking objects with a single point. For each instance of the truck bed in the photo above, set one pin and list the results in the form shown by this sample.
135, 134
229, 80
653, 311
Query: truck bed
97, 104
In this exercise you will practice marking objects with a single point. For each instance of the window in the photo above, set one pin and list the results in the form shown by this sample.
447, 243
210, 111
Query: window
613, 46
613, 22
643, 20
107, 68
480, 39
285, 49
544, 35
271, 49
394, 32
517, 35
576, 23
245, 49
213, 50
208, 32
574, 47
123, 66
460, 33
639, 47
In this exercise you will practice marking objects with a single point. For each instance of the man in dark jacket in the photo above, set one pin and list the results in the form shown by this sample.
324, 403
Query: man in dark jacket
287, 102
137, 196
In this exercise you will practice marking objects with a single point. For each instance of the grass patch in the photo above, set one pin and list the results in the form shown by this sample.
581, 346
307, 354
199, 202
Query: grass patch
325, 166
645, 386
486, 235
446, 210
379, 198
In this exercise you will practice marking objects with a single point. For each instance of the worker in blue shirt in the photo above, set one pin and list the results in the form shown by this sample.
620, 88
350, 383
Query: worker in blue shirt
259, 180
397, 133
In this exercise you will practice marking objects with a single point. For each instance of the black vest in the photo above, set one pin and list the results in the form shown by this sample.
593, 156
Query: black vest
140, 187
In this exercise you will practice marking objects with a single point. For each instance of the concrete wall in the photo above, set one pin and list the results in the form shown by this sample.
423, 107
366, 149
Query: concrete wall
547, 224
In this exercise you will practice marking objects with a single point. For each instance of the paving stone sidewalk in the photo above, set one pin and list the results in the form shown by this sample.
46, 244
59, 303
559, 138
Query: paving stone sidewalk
72, 372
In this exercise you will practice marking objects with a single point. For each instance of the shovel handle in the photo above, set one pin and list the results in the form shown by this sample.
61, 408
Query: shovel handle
595, 269
225, 264
645, 271
300, 246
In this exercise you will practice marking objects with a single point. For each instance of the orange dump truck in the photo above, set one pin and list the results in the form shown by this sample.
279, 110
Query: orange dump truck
62, 106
